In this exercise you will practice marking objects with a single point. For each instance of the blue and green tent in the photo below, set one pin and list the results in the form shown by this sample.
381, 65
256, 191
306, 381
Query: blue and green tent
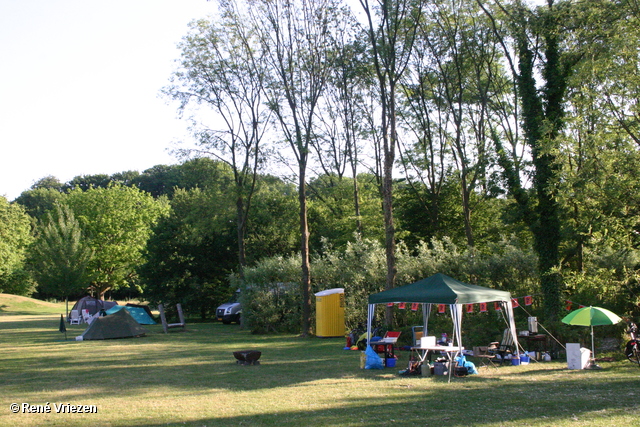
138, 313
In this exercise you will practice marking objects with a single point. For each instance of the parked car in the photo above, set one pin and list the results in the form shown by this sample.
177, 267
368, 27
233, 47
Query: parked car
230, 311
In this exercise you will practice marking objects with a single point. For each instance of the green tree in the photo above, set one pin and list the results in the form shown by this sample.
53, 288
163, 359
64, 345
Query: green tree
331, 210
15, 238
60, 255
38, 201
391, 30
41, 197
117, 222
451, 85
599, 179
190, 253
297, 35
274, 221
160, 180
342, 130
222, 68
85, 182
542, 64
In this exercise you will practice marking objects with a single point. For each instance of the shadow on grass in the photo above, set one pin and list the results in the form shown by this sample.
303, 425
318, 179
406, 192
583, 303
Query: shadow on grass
516, 402
200, 360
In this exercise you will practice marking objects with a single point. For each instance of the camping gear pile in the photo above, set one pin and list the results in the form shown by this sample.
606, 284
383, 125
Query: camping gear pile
441, 289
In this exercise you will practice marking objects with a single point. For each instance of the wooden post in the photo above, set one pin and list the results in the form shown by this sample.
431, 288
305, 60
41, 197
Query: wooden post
180, 315
163, 319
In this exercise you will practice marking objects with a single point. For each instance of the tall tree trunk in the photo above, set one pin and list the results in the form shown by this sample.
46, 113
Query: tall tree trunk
541, 128
356, 202
466, 211
241, 228
391, 42
387, 203
304, 253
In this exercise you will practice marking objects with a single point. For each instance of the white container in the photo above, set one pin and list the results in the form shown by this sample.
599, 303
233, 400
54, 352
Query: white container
428, 341
577, 357
426, 369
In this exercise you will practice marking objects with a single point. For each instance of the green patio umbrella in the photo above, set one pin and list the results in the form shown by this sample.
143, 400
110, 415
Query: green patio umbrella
591, 316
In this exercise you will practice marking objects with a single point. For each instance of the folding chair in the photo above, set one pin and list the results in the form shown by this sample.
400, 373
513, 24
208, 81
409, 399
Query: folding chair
166, 326
486, 359
503, 348
87, 317
74, 317
418, 332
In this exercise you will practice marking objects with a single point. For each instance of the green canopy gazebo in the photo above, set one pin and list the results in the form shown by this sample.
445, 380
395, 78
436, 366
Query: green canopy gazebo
442, 289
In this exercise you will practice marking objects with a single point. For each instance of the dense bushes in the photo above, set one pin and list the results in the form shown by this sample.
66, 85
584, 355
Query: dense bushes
272, 299
270, 295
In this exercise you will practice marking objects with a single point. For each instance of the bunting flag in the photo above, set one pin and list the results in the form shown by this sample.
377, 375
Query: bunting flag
528, 300
568, 307
581, 306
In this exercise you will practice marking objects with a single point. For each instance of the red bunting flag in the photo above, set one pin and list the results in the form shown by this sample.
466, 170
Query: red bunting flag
401, 306
496, 305
483, 307
469, 308
515, 302
528, 300
568, 307
441, 308
581, 306
414, 306
389, 304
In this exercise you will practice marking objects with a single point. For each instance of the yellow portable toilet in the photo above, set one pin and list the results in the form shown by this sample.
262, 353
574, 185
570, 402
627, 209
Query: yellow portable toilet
330, 313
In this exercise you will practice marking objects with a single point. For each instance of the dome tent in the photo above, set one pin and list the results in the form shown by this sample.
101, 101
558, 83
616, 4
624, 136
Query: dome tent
117, 325
92, 305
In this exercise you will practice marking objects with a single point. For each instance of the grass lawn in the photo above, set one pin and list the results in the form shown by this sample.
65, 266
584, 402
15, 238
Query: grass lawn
191, 378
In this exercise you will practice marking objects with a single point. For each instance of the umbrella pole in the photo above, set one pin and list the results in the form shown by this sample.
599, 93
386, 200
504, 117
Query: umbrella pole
592, 361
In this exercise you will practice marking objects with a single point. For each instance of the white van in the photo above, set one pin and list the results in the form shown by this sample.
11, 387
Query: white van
230, 311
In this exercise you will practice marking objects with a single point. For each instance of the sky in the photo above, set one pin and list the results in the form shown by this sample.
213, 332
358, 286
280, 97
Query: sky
80, 85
